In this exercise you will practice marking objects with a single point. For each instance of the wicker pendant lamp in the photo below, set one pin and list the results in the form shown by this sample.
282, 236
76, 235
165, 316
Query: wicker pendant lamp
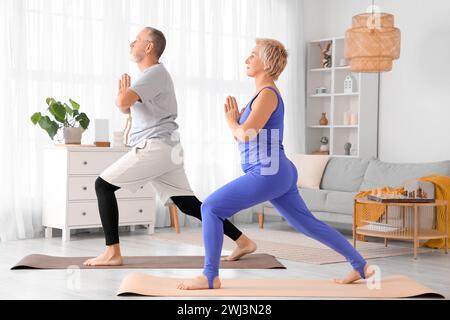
372, 43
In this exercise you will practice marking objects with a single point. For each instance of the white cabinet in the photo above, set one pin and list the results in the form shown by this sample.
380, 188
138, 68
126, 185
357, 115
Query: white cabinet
350, 104
69, 199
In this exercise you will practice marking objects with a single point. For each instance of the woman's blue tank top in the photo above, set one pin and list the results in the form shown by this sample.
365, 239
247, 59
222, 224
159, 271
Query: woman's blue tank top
267, 147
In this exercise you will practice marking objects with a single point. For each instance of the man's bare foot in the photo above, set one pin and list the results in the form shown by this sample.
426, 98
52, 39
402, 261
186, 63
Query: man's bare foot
244, 246
111, 257
355, 276
198, 283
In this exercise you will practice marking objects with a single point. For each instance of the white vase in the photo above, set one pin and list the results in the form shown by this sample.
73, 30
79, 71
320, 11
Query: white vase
72, 135
324, 147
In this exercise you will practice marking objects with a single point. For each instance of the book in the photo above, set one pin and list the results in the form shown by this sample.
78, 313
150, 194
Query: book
398, 198
380, 227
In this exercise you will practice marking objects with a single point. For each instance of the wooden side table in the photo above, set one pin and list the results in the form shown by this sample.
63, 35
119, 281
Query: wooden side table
406, 228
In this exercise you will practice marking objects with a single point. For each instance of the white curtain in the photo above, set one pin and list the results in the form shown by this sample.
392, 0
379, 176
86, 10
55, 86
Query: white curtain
78, 49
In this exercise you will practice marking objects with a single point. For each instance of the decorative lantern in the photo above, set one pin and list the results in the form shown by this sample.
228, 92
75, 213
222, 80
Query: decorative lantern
372, 42
348, 84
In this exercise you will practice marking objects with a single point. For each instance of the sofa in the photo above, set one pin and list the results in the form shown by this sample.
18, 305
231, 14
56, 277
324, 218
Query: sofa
343, 178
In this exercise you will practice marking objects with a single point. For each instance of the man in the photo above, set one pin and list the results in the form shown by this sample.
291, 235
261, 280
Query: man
152, 104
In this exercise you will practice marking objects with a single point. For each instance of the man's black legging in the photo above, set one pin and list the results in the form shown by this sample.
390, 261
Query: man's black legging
109, 212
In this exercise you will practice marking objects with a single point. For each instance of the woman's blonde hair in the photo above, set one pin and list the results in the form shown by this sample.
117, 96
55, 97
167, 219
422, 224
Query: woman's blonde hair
273, 55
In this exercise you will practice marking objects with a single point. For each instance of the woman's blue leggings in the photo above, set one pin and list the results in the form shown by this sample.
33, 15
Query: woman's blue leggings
281, 190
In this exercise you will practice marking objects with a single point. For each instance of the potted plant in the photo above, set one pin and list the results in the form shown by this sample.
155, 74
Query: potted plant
66, 118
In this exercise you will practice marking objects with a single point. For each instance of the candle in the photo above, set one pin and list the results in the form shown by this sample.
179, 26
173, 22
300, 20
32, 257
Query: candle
118, 139
346, 118
101, 130
354, 118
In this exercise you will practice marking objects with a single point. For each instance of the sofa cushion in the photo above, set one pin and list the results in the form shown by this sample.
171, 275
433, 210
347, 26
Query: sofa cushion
340, 202
314, 199
380, 174
344, 221
310, 169
326, 200
344, 174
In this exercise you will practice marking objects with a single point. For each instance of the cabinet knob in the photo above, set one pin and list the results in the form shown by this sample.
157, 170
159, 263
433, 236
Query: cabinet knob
84, 188
85, 163
140, 210
142, 187
84, 213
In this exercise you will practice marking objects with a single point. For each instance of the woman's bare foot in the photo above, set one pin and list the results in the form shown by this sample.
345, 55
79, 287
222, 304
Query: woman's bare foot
355, 276
244, 246
111, 257
198, 283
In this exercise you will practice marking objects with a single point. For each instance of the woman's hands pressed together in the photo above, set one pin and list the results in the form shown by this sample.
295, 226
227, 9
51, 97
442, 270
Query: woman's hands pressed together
232, 115
231, 109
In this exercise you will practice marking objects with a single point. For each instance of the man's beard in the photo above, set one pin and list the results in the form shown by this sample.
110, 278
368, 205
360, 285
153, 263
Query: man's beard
135, 57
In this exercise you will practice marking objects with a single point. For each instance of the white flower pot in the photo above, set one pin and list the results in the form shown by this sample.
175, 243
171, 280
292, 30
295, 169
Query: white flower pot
72, 135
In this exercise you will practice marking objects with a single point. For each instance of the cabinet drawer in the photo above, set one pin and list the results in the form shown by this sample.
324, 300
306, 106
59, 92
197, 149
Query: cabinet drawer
86, 213
83, 214
136, 211
83, 188
91, 162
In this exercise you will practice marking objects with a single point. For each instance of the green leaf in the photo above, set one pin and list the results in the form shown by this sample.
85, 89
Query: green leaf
36, 117
83, 119
75, 113
58, 111
50, 101
75, 105
45, 122
48, 125
68, 109
53, 130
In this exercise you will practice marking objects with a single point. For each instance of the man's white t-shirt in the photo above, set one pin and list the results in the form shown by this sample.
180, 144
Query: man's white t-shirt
154, 115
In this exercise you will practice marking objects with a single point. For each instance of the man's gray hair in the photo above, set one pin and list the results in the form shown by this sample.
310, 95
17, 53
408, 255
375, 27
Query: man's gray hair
158, 39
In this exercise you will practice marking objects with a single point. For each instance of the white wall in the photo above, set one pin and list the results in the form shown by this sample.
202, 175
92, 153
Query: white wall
415, 95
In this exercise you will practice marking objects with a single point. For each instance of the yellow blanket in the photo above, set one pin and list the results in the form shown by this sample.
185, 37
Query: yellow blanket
373, 212
442, 190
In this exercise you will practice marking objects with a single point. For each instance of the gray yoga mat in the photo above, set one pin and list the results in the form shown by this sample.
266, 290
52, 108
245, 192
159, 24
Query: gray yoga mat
252, 261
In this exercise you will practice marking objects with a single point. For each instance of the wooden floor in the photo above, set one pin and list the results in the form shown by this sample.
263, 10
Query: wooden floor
430, 269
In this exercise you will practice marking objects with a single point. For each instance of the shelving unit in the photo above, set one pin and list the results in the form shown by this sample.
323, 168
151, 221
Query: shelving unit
363, 100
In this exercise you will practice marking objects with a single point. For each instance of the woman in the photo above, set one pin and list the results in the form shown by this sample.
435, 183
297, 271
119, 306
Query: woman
269, 174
